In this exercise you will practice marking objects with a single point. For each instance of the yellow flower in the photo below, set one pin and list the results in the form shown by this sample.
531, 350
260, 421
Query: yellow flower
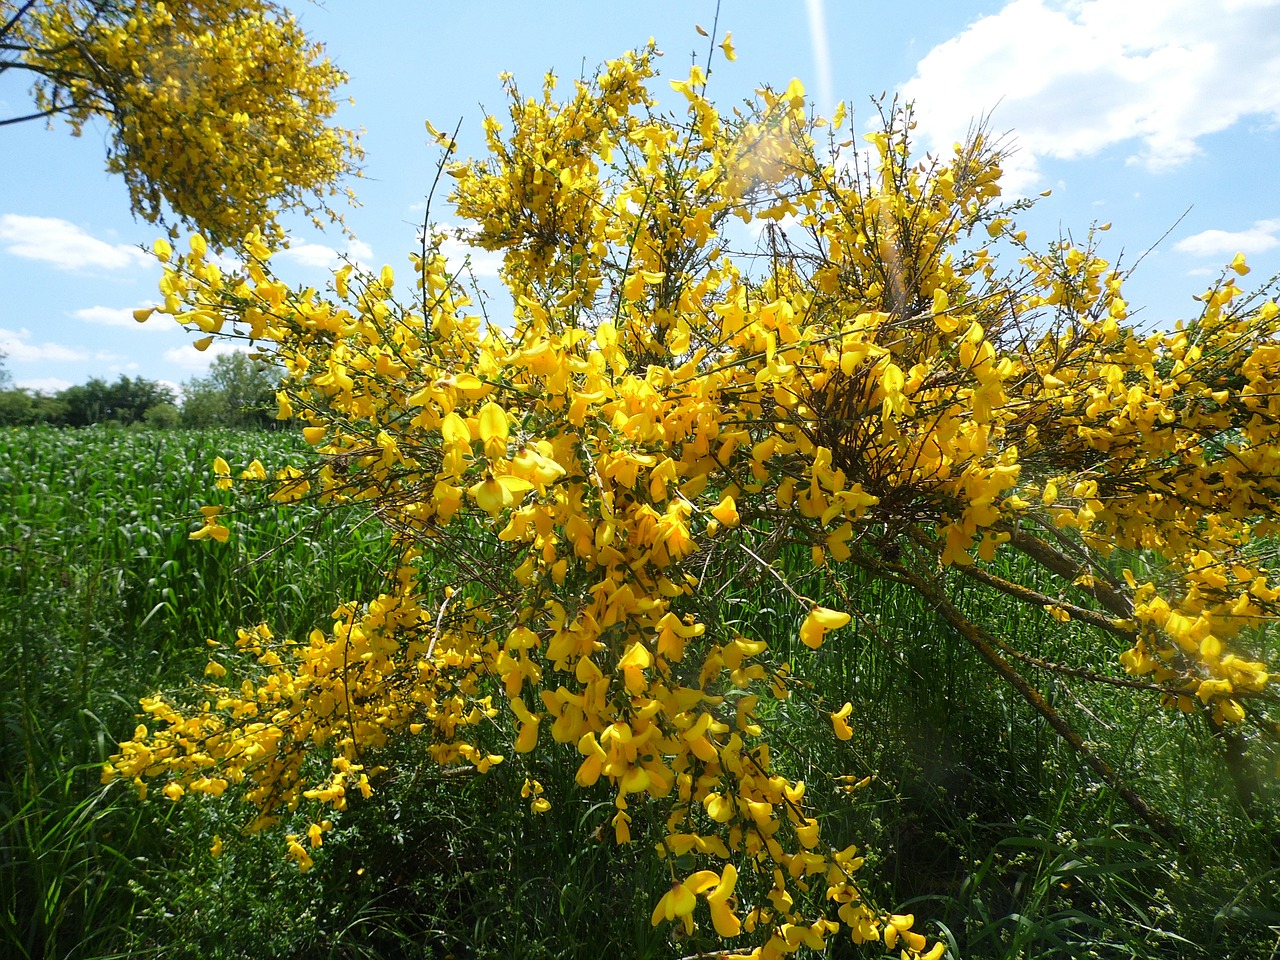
722, 915
527, 738
727, 46
538, 469
298, 853
839, 722
633, 663
719, 808
532, 790
678, 902
726, 511
493, 429
212, 529
900, 926
222, 471
292, 485
818, 623
593, 764
495, 494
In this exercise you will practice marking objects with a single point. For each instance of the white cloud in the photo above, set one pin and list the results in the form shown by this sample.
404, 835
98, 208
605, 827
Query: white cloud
1070, 78
1264, 235
226, 261
123, 317
483, 262
197, 362
359, 250
43, 384
65, 245
17, 347
789, 224
310, 254
319, 255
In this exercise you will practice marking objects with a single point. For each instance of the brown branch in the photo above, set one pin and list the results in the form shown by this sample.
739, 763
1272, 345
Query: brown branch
40, 115
1034, 598
986, 646
1080, 673
1069, 569
13, 21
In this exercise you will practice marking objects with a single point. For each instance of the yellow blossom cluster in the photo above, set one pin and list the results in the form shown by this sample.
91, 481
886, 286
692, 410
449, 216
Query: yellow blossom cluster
220, 111
867, 383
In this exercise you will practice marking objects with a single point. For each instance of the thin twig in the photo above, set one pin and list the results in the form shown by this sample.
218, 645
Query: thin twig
435, 636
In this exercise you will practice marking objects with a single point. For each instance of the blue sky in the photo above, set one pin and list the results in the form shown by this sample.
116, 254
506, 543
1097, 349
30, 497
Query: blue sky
1132, 111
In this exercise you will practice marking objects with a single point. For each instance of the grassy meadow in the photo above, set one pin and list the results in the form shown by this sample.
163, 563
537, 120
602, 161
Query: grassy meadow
975, 817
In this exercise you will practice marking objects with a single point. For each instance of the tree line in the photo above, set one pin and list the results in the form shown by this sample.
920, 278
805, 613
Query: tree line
237, 392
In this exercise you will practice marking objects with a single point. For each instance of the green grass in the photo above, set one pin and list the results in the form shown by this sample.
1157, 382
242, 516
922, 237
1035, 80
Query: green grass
103, 599
976, 817
985, 823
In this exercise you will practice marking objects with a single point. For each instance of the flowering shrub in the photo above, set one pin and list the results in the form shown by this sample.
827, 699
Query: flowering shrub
571, 491
219, 110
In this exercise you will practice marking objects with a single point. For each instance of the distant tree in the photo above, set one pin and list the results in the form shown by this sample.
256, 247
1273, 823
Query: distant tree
125, 401
162, 416
46, 408
16, 407
131, 399
218, 110
238, 392
85, 403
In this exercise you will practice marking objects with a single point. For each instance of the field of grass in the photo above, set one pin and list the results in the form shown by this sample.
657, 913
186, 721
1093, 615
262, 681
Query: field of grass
976, 818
